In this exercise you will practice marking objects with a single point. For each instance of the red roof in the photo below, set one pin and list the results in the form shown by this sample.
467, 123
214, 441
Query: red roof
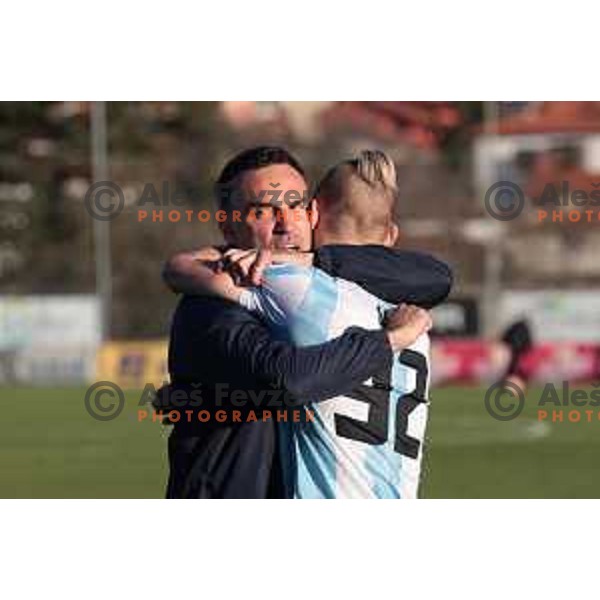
550, 117
423, 124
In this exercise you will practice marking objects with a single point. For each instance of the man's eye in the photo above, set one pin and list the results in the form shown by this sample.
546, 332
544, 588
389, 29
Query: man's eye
263, 212
297, 205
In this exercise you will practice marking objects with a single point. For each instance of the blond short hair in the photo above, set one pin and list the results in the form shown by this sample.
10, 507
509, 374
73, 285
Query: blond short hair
357, 196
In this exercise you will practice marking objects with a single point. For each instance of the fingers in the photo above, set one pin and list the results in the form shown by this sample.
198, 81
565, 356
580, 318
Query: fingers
429, 321
233, 255
263, 259
406, 324
233, 264
422, 319
403, 314
412, 317
248, 265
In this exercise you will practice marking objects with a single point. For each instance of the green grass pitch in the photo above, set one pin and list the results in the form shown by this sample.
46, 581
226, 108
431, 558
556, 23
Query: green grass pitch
51, 448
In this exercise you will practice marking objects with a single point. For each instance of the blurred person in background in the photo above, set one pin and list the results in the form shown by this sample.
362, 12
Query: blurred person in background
519, 341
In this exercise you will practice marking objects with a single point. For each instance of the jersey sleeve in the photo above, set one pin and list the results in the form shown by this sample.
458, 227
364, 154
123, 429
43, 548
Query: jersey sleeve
282, 292
393, 274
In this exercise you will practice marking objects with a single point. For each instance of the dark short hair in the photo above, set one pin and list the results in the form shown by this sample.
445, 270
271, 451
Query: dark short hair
250, 160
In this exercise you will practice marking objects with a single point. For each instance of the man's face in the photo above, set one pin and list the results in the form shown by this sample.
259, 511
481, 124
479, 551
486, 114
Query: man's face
267, 219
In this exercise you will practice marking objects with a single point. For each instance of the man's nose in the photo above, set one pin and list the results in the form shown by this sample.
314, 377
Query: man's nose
280, 222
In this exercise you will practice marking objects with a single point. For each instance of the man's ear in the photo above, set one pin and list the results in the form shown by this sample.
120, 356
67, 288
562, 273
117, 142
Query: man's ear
392, 235
313, 213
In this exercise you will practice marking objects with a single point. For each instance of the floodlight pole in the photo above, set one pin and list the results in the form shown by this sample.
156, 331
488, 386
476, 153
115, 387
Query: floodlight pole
101, 228
493, 252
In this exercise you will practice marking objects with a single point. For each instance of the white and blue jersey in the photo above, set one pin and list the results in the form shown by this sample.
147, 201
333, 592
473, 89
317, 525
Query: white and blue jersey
368, 443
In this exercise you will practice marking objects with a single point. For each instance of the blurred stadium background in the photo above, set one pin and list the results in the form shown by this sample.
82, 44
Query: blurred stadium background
82, 300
